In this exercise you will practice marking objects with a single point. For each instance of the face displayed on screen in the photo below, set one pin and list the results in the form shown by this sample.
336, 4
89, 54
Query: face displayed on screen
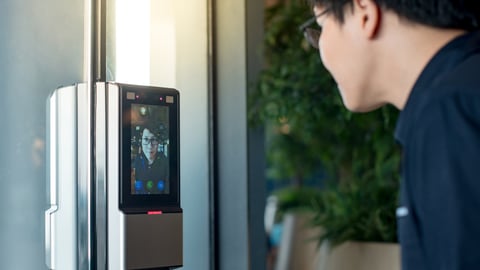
149, 149
149, 145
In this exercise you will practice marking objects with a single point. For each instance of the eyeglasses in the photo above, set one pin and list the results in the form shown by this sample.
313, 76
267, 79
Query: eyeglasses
312, 35
147, 141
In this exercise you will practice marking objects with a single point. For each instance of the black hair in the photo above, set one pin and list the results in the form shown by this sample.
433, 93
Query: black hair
451, 14
152, 127
158, 129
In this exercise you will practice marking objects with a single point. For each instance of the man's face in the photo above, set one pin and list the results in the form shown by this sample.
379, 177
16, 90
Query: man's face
149, 144
345, 53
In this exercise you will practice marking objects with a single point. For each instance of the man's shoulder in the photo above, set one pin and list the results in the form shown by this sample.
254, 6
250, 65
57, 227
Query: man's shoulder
450, 87
453, 109
450, 106
464, 78
455, 67
461, 83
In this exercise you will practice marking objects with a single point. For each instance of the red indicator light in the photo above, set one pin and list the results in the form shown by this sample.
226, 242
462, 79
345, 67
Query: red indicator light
154, 212
161, 98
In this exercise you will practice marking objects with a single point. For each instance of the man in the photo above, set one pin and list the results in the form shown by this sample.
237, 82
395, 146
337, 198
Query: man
151, 167
422, 56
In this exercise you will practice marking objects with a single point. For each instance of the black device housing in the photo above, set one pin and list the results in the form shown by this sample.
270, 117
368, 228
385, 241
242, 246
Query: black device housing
129, 202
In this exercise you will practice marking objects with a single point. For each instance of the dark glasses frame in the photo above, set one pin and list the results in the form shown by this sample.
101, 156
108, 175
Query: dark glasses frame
312, 35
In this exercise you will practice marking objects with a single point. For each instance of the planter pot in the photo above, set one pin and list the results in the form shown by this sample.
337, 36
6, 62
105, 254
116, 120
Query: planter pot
359, 256
298, 248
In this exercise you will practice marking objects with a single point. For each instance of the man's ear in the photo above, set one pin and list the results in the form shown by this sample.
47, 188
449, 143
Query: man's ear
369, 15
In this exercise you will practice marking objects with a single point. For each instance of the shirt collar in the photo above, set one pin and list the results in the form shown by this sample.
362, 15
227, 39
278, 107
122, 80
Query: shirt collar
442, 62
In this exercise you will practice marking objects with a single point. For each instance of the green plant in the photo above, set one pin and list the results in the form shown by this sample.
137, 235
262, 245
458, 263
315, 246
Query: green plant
309, 129
357, 211
289, 94
299, 199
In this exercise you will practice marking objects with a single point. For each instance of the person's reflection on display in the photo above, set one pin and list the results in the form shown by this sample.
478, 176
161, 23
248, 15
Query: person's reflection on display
151, 166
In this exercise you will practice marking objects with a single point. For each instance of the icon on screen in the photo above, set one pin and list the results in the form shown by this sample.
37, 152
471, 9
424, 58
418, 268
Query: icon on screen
138, 185
149, 185
161, 185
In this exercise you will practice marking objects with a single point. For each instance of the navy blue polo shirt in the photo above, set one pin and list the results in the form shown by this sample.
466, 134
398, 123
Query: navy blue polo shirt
439, 130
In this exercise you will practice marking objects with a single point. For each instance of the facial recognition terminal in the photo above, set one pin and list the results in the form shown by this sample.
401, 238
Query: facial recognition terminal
149, 150
118, 207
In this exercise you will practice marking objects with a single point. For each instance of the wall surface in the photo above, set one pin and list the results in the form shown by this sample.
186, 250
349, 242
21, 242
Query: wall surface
240, 162
41, 48
232, 177
191, 54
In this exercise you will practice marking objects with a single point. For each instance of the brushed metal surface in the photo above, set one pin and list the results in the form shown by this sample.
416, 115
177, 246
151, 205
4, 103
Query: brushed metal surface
60, 218
100, 178
84, 178
116, 219
154, 240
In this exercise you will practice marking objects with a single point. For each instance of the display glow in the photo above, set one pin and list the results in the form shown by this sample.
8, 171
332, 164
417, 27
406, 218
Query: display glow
133, 41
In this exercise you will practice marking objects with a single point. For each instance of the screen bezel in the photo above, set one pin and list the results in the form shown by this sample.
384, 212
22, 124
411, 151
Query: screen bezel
140, 203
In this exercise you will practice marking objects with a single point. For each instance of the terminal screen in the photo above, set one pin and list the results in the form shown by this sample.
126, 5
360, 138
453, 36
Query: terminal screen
149, 149
150, 159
